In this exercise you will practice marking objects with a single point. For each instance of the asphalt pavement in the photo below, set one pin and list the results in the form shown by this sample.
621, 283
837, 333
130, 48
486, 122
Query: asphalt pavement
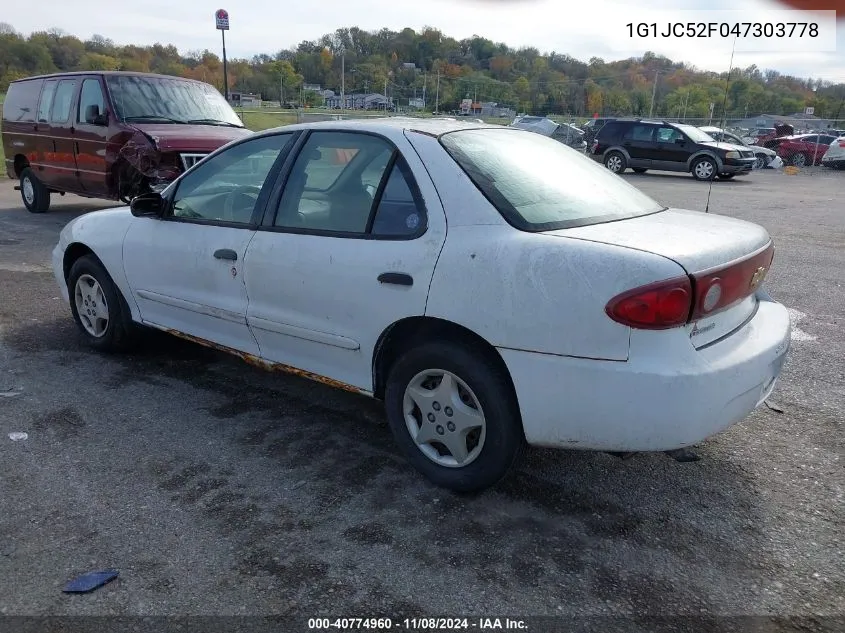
219, 489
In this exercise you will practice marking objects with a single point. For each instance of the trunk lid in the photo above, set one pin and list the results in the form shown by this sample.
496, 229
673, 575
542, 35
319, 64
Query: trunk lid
704, 245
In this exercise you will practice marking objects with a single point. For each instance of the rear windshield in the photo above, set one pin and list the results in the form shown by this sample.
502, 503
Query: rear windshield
540, 184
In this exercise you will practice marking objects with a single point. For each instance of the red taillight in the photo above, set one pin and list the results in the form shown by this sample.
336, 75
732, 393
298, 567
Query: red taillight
842, 143
594, 147
717, 290
657, 306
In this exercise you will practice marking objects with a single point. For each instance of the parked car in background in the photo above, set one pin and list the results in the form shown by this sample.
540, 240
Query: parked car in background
563, 132
834, 157
643, 144
802, 150
492, 286
111, 135
765, 157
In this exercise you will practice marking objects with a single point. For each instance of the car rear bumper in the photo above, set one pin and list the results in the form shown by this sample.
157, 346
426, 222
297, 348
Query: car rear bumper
666, 396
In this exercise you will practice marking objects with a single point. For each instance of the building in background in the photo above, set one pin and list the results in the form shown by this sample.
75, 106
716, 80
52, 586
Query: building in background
244, 100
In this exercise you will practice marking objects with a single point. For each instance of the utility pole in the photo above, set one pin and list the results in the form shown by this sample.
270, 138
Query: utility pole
437, 101
425, 82
282, 91
385, 93
653, 94
343, 82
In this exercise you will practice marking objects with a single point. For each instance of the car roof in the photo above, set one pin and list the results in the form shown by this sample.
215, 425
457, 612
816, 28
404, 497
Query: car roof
432, 127
119, 73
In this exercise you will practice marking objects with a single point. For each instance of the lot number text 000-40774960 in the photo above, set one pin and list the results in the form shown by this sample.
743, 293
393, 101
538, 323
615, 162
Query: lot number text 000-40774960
723, 29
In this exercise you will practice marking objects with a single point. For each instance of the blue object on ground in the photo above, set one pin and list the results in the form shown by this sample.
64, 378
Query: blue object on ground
90, 581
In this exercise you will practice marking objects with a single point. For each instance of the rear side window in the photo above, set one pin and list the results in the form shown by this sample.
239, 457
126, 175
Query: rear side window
46, 100
398, 212
22, 101
610, 131
62, 101
540, 184
639, 133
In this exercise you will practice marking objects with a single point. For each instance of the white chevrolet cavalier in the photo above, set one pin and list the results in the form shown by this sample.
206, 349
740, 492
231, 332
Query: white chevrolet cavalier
494, 287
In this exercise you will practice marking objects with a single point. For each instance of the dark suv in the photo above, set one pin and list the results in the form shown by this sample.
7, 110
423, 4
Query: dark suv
643, 145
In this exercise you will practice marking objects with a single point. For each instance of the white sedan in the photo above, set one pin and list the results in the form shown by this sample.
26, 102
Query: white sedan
494, 287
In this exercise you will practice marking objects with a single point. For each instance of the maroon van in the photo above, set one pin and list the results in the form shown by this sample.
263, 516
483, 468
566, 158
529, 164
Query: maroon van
111, 135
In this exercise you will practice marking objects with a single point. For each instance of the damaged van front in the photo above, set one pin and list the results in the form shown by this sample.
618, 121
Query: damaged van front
111, 135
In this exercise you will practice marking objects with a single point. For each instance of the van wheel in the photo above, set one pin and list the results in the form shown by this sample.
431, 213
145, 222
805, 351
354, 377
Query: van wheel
36, 197
98, 307
454, 415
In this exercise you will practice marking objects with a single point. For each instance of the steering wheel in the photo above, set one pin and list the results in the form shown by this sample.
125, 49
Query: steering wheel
229, 202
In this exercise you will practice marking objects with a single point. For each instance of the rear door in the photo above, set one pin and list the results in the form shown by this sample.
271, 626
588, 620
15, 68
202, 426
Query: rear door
347, 248
90, 135
638, 142
43, 144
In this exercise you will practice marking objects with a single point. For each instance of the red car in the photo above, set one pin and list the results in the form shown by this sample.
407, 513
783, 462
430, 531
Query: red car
802, 149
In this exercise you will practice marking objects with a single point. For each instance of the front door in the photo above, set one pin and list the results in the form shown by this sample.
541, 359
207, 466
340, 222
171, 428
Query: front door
91, 136
186, 270
349, 250
672, 149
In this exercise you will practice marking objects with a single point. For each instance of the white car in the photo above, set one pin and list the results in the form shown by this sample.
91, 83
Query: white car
494, 287
766, 158
834, 157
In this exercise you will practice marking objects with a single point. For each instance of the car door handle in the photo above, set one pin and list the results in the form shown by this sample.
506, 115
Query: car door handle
226, 253
398, 279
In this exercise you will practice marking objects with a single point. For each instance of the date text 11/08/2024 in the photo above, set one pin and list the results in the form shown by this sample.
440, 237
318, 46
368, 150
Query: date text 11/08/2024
724, 29
418, 624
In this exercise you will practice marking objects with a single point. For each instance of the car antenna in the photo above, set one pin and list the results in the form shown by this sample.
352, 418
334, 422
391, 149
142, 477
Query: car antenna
724, 118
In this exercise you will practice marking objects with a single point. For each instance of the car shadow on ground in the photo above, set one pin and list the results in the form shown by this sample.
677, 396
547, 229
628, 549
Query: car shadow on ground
561, 517
669, 175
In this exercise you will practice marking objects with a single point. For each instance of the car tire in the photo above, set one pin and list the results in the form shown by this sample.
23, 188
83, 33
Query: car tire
639, 170
726, 176
760, 161
35, 196
98, 307
798, 160
615, 162
478, 391
704, 168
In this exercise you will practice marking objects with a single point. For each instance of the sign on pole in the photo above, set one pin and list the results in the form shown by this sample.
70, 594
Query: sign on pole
221, 17
809, 110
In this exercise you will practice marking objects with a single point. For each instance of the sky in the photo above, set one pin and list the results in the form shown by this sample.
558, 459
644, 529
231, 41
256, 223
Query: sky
585, 29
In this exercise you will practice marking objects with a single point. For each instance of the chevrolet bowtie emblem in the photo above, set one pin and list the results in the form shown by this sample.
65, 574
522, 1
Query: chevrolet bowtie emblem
757, 277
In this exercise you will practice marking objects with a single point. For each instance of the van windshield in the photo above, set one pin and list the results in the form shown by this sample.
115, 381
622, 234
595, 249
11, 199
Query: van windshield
169, 100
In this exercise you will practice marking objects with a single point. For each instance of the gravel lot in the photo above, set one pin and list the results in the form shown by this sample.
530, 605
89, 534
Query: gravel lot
216, 488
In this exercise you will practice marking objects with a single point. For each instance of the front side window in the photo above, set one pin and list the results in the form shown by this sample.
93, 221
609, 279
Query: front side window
62, 101
349, 183
226, 187
696, 135
90, 96
668, 135
539, 184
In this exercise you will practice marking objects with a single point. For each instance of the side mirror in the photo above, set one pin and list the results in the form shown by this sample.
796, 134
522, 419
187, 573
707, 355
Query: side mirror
147, 205
679, 141
94, 117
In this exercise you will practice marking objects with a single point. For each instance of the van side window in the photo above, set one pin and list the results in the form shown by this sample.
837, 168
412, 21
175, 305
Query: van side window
46, 101
62, 102
90, 95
